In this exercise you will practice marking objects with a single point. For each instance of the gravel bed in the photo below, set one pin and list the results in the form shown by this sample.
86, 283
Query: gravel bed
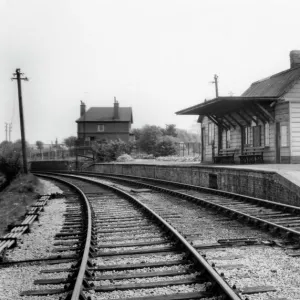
101, 261
149, 292
146, 270
144, 280
49, 187
15, 280
39, 242
128, 236
262, 266
158, 239
121, 249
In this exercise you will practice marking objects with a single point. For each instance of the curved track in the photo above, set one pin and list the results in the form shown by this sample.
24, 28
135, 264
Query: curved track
212, 283
273, 216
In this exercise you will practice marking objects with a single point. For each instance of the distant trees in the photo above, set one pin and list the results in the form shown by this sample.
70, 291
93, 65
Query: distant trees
40, 146
70, 141
162, 141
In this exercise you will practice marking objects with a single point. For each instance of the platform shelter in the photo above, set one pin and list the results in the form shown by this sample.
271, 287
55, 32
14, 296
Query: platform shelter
266, 117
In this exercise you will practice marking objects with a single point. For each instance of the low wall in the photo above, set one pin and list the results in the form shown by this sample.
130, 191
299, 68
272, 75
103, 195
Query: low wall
50, 165
261, 184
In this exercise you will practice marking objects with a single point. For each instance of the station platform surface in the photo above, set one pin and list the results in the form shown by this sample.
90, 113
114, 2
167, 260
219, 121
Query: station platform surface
289, 171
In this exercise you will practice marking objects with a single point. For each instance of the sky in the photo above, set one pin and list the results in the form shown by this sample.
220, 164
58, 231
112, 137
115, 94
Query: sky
156, 56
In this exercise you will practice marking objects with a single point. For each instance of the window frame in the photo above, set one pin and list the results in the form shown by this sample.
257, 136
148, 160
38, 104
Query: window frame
210, 133
228, 138
287, 136
248, 135
100, 126
267, 134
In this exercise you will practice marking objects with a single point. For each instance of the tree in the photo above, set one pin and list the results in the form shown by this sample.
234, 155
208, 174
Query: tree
11, 159
150, 135
137, 133
70, 141
39, 145
170, 130
165, 147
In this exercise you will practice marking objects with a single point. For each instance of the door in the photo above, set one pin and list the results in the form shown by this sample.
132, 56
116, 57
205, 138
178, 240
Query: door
277, 143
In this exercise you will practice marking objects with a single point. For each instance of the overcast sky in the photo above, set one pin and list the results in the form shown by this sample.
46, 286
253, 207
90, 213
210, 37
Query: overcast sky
157, 56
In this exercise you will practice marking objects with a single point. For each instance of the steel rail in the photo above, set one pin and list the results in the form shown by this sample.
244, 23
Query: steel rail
83, 265
266, 223
213, 274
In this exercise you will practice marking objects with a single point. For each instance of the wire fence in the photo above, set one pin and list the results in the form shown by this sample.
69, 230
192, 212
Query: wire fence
188, 149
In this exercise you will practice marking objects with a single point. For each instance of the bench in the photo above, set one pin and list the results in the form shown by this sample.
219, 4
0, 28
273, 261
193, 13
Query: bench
252, 155
225, 156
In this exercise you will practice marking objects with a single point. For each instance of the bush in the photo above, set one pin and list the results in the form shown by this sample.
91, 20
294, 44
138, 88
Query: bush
165, 147
124, 157
10, 159
107, 151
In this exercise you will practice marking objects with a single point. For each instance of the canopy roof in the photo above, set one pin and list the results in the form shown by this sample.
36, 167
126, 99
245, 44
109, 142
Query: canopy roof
227, 111
223, 105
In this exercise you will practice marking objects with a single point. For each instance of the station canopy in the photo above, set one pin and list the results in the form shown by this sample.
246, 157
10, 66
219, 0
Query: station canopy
230, 112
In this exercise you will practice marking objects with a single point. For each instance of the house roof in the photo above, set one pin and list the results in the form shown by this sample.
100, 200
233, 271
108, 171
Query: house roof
274, 86
106, 114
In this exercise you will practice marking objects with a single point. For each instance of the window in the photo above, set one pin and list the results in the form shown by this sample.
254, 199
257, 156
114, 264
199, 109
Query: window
284, 135
248, 134
228, 139
267, 134
210, 133
100, 127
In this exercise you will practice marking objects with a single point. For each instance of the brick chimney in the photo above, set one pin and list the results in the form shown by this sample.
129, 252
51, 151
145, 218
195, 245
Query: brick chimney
82, 108
295, 58
116, 109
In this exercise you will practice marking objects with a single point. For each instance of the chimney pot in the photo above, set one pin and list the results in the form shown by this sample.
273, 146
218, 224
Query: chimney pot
82, 108
116, 109
295, 58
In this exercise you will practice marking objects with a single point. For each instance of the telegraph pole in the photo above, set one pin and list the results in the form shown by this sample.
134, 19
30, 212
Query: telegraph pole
9, 131
6, 131
18, 77
216, 85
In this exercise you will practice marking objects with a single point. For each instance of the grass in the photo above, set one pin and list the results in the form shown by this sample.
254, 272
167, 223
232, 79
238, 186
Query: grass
16, 198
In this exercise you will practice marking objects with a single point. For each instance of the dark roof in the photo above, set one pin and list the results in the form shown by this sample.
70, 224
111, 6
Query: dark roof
223, 105
275, 85
106, 114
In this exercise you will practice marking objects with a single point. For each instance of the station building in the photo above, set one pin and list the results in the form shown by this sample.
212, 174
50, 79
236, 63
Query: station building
266, 115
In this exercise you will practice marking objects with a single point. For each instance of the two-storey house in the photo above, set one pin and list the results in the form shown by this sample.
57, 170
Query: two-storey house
104, 123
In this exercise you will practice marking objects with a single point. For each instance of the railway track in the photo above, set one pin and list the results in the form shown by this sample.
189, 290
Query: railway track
127, 250
258, 213
278, 218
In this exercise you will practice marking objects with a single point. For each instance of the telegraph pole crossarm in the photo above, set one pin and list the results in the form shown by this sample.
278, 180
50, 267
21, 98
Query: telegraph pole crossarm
216, 85
18, 77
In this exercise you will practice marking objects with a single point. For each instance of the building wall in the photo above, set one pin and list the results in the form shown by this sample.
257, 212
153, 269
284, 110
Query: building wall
295, 131
294, 93
112, 130
280, 114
